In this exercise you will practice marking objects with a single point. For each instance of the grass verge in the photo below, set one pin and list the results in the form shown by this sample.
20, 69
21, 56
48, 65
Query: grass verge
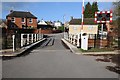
97, 50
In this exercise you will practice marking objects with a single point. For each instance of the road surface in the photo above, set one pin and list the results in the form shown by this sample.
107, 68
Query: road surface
52, 60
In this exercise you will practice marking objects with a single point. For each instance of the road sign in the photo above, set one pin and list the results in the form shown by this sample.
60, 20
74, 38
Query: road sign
103, 16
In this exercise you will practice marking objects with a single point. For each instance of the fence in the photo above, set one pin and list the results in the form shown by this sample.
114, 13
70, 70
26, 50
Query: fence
93, 40
27, 39
19, 40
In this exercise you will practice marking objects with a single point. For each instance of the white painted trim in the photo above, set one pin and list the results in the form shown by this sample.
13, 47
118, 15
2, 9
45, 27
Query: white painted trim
11, 19
108, 11
103, 11
107, 21
110, 19
95, 15
24, 20
98, 21
111, 14
31, 20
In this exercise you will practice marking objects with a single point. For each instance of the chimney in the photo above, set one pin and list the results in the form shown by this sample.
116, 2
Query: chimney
11, 11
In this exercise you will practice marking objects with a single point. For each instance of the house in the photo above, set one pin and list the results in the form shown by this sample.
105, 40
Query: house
44, 27
3, 24
21, 20
42, 22
90, 28
57, 24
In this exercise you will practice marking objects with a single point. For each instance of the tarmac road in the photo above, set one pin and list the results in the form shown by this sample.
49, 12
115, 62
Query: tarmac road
52, 60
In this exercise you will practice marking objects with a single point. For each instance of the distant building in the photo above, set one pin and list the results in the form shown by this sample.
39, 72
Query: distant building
57, 24
21, 20
45, 27
42, 22
3, 24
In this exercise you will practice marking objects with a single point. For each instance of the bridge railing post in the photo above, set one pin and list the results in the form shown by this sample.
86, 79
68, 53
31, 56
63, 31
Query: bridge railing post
31, 38
27, 39
37, 36
74, 39
13, 36
78, 40
22, 41
71, 38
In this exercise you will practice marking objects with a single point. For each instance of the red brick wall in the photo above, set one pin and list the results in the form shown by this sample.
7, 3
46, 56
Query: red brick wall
43, 31
91, 43
19, 23
46, 31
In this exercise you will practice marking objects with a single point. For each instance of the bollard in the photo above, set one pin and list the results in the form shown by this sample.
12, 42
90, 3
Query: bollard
13, 36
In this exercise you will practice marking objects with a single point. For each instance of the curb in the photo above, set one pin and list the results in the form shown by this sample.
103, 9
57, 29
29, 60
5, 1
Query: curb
74, 49
69, 45
24, 49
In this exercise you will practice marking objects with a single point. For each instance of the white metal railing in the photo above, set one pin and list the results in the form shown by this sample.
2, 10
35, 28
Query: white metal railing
73, 38
27, 39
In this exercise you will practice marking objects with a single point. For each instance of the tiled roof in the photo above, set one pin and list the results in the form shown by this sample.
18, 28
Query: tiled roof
21, 14
87, 21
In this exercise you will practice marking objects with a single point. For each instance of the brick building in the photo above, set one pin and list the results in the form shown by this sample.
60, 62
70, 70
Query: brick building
21, 20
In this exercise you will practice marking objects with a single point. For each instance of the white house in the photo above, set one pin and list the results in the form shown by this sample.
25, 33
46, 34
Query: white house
42, 22
57, 24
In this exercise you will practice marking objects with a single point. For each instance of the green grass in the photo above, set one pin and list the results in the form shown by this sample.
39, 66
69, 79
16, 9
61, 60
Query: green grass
61, 28
97, 50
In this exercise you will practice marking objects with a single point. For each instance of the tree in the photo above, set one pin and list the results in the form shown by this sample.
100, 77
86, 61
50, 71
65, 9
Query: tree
88, 11
94, 8
116, 13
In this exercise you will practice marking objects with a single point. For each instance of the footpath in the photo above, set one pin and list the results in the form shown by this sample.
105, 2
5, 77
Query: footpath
10, 53
75, 50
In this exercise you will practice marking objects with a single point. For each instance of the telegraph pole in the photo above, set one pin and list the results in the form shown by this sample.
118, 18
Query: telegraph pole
64, 25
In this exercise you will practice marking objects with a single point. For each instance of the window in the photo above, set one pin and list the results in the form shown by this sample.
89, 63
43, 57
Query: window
23, 26
13, 19
12, 26
23, 20
30, 20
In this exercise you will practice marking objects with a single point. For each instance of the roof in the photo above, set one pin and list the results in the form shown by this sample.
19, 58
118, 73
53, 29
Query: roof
3, 24
42, 22
21, 14
87, 21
